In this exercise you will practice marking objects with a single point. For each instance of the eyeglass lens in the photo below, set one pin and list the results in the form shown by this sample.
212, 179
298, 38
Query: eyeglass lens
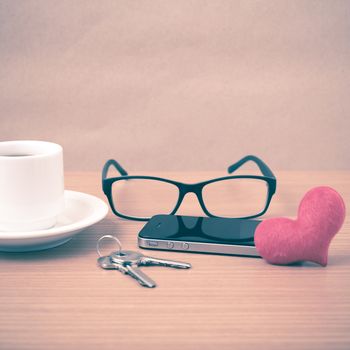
143, 198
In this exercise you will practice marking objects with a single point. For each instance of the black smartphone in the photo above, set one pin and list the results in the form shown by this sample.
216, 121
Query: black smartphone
199, 234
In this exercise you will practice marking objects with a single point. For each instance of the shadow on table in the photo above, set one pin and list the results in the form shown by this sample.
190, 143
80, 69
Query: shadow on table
338, 260
335, 260
82, 244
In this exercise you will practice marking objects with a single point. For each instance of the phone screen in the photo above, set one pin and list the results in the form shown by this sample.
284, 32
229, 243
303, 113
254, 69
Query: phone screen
200, 229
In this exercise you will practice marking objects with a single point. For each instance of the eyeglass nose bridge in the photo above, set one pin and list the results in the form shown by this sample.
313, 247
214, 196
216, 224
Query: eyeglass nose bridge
191, 188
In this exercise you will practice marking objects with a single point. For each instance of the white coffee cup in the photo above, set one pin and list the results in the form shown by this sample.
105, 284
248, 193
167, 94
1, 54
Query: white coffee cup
31, 185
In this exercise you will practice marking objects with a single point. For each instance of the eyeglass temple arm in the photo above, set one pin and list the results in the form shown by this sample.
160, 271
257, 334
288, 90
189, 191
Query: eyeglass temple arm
266, 171
117, 166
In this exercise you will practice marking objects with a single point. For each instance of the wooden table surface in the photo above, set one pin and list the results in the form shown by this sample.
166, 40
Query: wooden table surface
60, 299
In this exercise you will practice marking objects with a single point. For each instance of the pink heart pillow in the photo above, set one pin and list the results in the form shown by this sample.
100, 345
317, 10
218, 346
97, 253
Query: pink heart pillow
284, 241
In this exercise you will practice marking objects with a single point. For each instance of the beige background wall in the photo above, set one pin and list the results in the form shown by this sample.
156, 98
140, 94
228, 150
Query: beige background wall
179, 84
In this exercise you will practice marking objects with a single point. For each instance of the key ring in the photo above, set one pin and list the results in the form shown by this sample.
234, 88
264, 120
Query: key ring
104, 237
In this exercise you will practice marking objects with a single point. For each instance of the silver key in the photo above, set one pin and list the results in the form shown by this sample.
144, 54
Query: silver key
140, 277
128, 257
107, 263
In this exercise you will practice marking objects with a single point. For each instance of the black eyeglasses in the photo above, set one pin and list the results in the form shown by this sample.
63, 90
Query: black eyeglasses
141, 197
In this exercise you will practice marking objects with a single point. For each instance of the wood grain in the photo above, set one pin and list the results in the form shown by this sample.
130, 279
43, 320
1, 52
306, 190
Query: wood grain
60, 299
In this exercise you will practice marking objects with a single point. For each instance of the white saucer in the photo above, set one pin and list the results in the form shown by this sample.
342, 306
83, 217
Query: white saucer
81, 211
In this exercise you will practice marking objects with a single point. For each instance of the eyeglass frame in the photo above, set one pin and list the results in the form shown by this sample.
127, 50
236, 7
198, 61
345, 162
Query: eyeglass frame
195, 188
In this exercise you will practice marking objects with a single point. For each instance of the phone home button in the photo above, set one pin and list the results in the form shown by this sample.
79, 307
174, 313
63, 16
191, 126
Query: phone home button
185, 246
170, 245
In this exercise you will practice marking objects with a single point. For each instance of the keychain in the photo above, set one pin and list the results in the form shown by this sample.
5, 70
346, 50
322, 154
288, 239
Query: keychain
128, 262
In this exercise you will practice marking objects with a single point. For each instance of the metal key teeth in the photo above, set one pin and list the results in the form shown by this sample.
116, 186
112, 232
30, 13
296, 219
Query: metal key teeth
141, 277
148, 261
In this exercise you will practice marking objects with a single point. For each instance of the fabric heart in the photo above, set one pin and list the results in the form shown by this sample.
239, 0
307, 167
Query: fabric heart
284, 241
